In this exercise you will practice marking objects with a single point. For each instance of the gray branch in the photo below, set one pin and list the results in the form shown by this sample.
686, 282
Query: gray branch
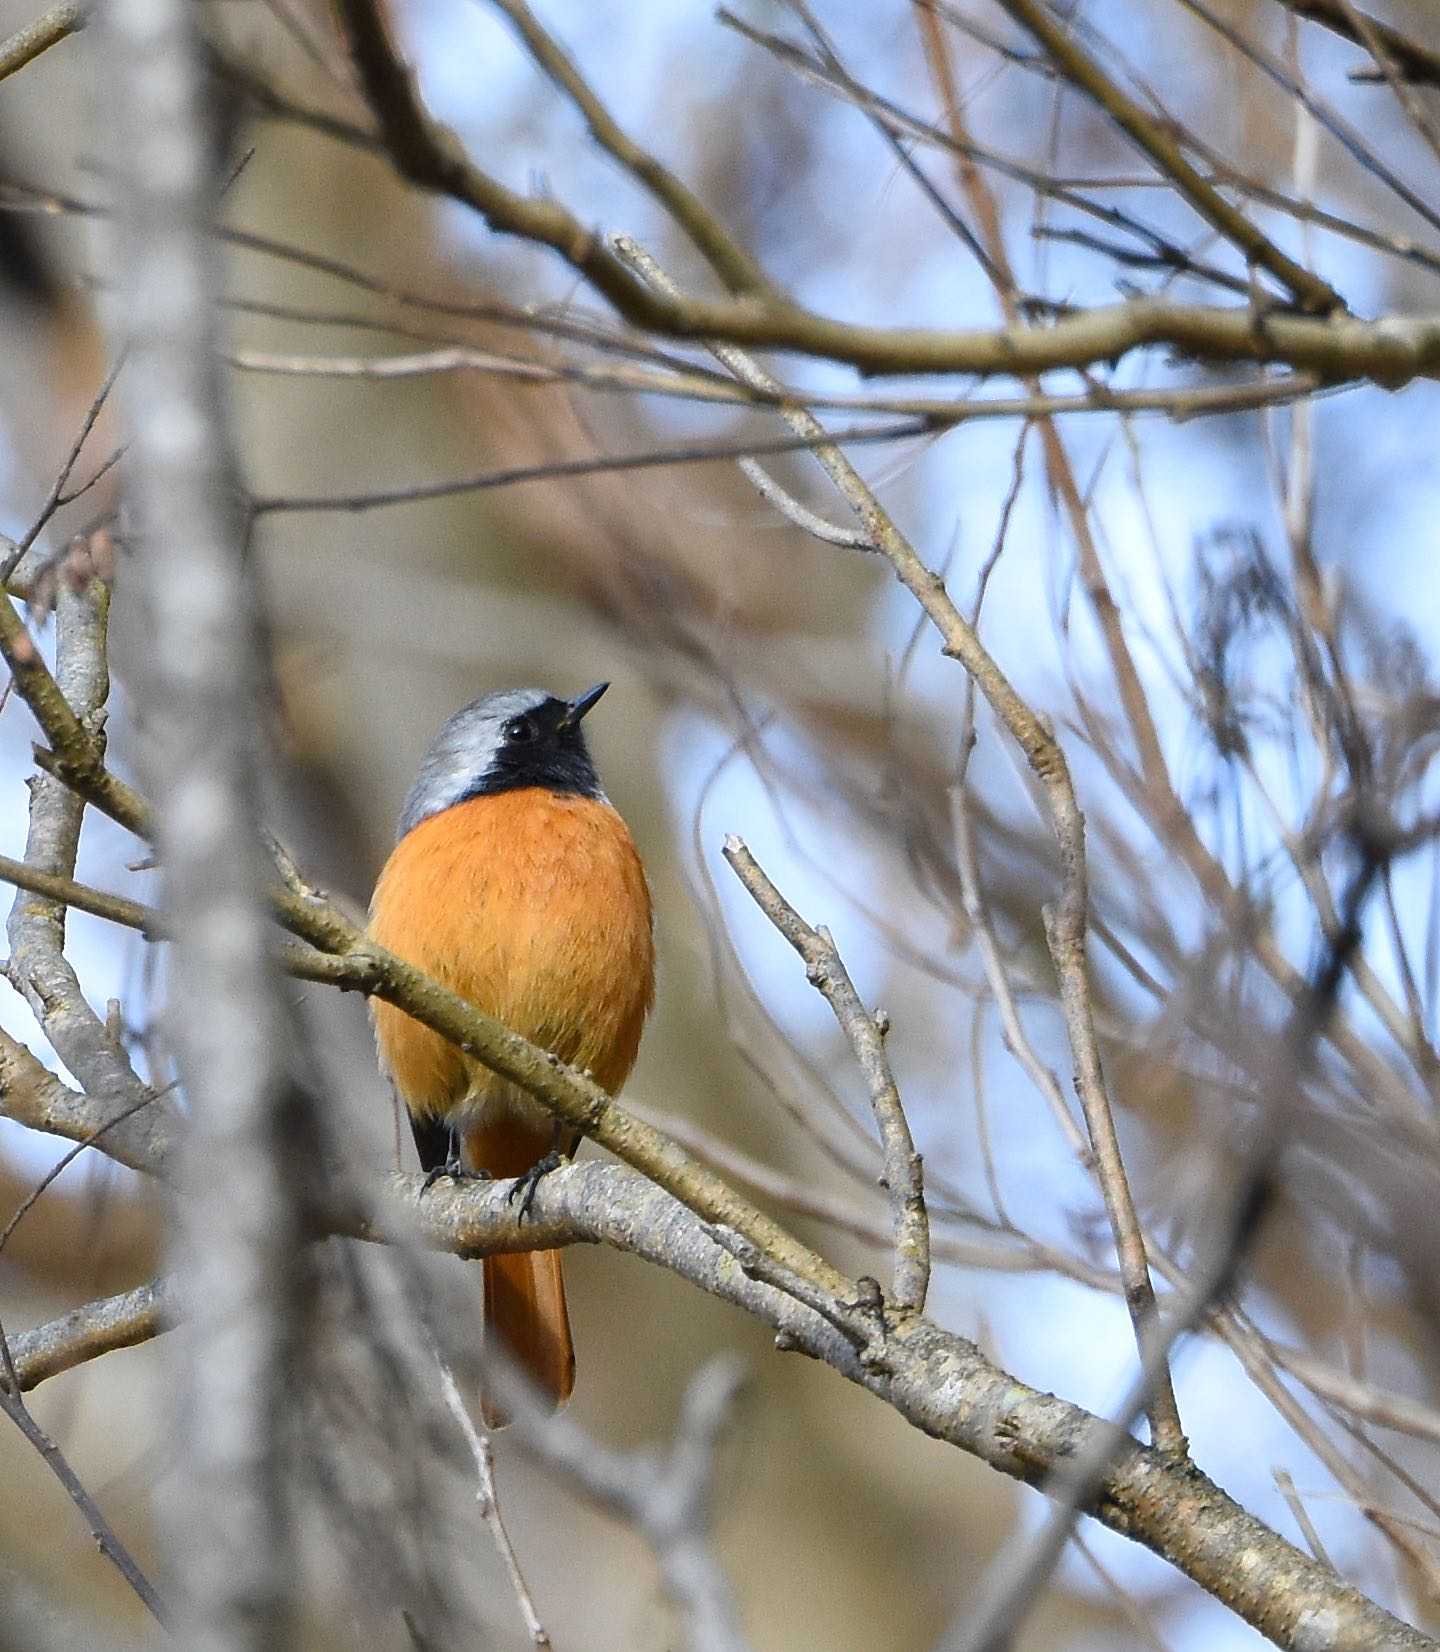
235, 1254
939, 1382
37, 967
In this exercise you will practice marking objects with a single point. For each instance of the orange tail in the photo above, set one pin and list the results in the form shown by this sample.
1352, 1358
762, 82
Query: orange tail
525, 1308
524, 1290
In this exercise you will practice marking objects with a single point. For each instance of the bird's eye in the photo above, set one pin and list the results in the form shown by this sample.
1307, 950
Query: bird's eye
520, 731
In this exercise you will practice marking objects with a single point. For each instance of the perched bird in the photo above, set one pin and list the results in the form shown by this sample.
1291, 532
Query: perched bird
515, 882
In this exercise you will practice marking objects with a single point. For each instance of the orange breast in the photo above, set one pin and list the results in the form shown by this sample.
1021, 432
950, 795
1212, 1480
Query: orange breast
534, 906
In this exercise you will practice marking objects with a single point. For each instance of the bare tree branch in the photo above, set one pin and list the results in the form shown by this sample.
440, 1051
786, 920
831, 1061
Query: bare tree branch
51, 27
1166, 151
1067, 921
115, 1322
224, 1018
1419, 64
939, 1382
104, 1534
489, 1500
668, 1501
904, 1179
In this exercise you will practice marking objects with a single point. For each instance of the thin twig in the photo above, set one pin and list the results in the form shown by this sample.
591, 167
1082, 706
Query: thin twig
1017, 1040
992, 1626
62, 1164
1067, 924
1162, 146
199, 688
735, 267
1418, 63
352, 961
1178, 402
1296, 1504
56, 496
1067, 191
1390, 351
1351, 139
1169, 1504
669, 1501
488, 1499
101, 1530
800, 516
825, 970
692, 454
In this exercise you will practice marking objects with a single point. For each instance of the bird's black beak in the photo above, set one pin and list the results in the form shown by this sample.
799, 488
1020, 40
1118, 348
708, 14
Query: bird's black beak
581, 704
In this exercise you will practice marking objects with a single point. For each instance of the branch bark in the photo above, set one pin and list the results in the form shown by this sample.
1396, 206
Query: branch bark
941, 1383
904, 1177
1067, 920
51, 27
227, 1523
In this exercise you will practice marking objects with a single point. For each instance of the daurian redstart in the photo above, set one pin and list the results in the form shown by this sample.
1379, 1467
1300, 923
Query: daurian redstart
515, 882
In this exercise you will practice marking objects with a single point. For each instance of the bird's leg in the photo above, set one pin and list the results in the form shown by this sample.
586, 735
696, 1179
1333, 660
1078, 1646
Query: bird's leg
452, 1168
524, 1186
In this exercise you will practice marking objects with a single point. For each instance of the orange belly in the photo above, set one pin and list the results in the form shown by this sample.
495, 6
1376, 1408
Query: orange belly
533, 905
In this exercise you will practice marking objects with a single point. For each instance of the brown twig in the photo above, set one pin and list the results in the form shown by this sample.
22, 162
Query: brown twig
740, 273
433, 159
1178, 402
1068, 192
57, 495
939, 1382
825, 970
1067, 920
1017, 1041
98, 902
512, 476
1391, 70
303, 962
1390, 352
1348, 136
1418, 63
489, 1500
354, 963
104, 1534
51, 27
1166, 151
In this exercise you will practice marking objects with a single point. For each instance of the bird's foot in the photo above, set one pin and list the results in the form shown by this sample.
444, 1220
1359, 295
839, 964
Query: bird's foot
524, 1186
453, 1171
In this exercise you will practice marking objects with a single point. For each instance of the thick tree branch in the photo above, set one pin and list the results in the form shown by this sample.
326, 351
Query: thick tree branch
1338, 350
1328, 343
228, 1521
941, 1383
